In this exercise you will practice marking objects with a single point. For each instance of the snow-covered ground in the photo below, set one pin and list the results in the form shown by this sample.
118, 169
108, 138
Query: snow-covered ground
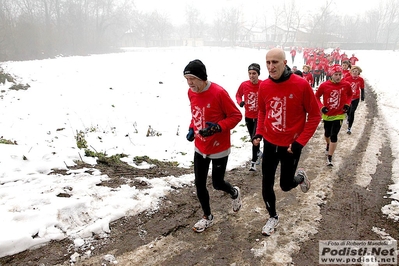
113, 99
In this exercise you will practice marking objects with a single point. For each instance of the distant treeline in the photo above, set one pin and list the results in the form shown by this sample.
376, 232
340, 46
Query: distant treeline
34, 29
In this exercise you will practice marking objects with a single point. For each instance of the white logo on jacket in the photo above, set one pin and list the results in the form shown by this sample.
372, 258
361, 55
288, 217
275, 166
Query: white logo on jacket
334, 100
252, 101
198, 115
276, 113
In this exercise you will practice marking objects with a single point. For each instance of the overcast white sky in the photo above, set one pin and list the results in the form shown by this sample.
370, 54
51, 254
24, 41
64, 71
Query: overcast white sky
253, 10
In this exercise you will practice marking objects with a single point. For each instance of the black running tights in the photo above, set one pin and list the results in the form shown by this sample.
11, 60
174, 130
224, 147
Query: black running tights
331, 129
201, 168
251, 126
351, 113
272, 156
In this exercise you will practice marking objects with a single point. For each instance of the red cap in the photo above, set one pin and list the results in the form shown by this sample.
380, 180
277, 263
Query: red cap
335, 68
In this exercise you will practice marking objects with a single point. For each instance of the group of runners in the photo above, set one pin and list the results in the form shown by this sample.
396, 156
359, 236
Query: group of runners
282, 112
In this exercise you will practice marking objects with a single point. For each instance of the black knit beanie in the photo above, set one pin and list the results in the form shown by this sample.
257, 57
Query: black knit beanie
254, 66
196, 68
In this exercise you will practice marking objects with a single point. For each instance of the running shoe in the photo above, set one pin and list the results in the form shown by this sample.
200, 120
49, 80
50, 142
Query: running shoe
253, 166
305, 184
329, 160
203, 224
237, 201
270, 225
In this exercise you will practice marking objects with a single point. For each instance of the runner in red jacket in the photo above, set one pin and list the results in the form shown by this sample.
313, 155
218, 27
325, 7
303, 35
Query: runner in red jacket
249, 90
357, 85
346, 69
214, 114
293, 54
288, 117
353, 59
307, 75
337, 97
317, 69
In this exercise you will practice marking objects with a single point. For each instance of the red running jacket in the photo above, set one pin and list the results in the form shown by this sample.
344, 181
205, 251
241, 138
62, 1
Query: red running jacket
288, 111
213, 105
250, 93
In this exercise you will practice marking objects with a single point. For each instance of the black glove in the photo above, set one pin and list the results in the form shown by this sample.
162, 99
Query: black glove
210, 130
242, 104
296, 147
257, 136
324, 110
346, 108
362, 95
190, 134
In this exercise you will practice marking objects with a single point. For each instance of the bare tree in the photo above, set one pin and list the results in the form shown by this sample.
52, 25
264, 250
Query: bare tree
7, 23
231, 18
278, 11
111, 20
193, 22
372, 26
322, 24
218, 30
391, 21
350, 30
161, 27
291, 19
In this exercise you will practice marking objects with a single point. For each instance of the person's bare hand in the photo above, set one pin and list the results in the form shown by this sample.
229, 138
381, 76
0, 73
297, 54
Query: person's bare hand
289, 150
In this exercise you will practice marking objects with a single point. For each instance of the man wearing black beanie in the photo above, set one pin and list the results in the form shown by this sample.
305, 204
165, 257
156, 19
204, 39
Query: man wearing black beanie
196, 69
255, 67
249, 90
214, 114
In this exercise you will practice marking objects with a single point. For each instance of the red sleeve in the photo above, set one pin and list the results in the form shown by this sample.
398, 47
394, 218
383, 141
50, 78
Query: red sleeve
348, 93
318, 94
233, 115
239, 94
313, 117
260, 128
191, 120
